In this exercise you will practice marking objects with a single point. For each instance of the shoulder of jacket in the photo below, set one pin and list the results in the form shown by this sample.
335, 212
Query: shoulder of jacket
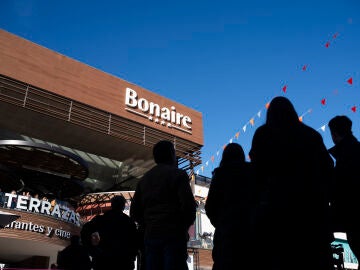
217, 170
262, 128
309, 130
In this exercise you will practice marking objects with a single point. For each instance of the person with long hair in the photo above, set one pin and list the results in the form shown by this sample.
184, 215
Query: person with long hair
293, 167
229, 206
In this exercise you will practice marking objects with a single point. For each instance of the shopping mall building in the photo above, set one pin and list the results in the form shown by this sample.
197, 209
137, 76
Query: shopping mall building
72, 136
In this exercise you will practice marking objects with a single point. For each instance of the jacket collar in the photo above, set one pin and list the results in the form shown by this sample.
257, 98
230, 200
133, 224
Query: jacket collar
337, 148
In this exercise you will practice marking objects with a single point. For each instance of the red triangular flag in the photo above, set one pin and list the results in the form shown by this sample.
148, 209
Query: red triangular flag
327, 44
304, 67
323, 101
350, 81
284, 88
353, 108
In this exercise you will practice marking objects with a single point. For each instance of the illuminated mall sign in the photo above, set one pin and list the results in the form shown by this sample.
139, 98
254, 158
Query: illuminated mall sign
43, 207
154, 112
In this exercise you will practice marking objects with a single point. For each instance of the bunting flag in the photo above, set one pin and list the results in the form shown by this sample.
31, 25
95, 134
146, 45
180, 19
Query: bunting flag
237, 134
301, 117
252, 122
322, 128
323, 102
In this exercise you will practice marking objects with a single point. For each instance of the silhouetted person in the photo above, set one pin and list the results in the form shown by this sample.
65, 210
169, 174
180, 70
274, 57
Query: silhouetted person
90, 238
116, 238
229, 207
74, 256
345, 203
293, 169
165, 207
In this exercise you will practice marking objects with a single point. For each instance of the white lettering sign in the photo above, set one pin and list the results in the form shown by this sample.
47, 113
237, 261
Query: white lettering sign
42, 207
152, 111
31, 227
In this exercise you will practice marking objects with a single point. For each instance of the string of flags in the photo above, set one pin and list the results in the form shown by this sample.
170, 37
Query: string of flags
251, 122
323, 102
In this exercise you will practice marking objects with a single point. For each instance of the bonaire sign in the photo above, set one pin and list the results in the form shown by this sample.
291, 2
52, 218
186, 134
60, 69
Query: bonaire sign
43, 207
154, 112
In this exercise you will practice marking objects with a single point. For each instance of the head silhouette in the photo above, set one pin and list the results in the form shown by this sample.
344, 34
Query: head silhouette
340, 127
233, 152
281, 113
340, 124
118, 203
164, 153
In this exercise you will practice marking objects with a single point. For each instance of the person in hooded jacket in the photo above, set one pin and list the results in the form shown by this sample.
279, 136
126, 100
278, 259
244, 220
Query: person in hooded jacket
164, 207
293, 169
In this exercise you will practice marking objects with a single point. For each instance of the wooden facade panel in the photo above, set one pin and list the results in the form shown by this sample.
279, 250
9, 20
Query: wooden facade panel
28, 62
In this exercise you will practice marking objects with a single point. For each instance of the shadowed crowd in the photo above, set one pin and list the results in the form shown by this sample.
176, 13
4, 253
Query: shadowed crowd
278, 211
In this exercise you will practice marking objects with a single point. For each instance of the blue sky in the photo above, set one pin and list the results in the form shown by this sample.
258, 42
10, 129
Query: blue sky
226, 59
